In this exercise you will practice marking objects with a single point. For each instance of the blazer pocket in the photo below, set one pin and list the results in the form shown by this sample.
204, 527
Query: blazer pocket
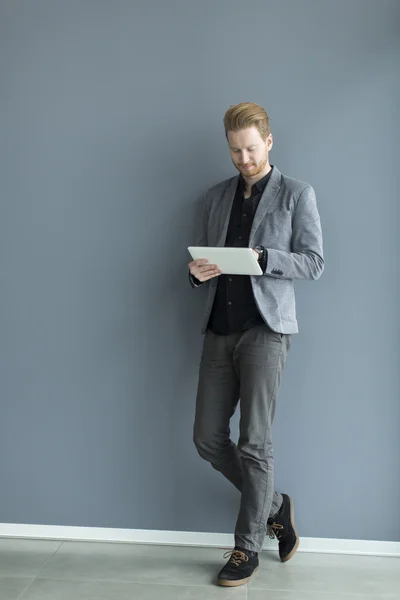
280, 213
278, 227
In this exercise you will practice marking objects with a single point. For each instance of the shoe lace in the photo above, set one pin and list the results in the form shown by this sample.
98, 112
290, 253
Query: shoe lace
276, 530
236, 557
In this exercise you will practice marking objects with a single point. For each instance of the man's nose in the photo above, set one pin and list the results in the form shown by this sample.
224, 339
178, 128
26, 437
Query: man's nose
245, 158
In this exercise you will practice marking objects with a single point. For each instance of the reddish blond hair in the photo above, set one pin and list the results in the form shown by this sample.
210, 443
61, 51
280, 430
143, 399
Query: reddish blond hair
244, 115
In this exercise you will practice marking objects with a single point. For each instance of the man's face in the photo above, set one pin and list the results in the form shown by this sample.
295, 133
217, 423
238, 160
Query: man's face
249, 152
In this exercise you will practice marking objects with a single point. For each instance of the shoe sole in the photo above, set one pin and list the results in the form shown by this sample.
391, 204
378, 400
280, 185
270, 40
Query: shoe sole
228, 583
293, 552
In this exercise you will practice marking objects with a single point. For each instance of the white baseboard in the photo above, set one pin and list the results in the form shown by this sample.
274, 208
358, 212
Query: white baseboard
189, 538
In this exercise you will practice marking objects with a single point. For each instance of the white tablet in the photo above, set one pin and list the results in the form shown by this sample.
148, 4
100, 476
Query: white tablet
231, 261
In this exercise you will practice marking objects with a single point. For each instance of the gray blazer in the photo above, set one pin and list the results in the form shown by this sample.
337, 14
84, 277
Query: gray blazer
288, 224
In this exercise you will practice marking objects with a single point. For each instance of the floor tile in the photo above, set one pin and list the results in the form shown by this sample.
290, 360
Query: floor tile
12, 587
46, 589
274, 595
109, 571
336, 574
139, 563
24, 558
313, 559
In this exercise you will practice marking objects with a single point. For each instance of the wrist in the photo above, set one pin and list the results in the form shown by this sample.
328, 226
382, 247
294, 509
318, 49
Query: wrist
260, 251
262, 257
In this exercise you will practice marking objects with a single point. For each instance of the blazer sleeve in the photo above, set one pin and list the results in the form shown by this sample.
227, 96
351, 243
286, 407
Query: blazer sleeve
306, 260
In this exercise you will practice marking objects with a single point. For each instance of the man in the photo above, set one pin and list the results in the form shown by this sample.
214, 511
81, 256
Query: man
248, 324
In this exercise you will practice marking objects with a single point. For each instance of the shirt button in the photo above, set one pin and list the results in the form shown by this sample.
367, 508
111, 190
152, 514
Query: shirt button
245, 214
230, 279
240, 237
230, 303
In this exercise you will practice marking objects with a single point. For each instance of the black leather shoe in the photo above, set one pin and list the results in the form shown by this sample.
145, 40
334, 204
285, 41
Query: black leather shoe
282, 527
239, 568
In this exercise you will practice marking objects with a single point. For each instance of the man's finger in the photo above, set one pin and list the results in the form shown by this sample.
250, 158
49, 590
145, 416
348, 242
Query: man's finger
208, 268
212, 276
209, 274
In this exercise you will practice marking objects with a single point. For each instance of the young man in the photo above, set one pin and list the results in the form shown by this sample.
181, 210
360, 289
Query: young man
248, 324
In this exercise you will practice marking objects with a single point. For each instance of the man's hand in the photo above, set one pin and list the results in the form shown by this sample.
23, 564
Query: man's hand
203, 271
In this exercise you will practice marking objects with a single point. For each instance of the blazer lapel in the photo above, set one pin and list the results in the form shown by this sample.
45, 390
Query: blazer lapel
266, 200
264, 206
226, 207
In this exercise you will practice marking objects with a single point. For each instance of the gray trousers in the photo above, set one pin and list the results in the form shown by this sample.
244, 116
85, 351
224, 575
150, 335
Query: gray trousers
248, 366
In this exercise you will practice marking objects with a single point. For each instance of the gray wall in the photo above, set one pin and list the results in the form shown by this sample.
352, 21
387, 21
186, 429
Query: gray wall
111, 129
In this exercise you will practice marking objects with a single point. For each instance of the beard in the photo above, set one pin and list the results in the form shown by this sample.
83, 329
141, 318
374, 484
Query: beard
255, 169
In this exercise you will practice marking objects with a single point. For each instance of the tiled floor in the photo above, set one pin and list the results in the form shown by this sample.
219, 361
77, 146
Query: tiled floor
44, 570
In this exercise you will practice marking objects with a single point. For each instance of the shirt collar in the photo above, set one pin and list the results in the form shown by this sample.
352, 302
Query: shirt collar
260, 185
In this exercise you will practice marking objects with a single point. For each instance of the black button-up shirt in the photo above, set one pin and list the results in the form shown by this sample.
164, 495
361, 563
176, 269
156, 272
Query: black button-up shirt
234, 307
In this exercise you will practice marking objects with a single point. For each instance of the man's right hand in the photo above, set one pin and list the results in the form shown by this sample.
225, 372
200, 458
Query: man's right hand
202, 270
